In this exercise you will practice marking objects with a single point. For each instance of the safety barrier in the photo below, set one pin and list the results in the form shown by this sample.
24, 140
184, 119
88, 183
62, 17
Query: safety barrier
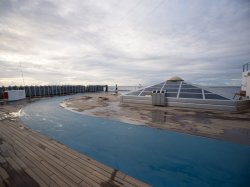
54, 90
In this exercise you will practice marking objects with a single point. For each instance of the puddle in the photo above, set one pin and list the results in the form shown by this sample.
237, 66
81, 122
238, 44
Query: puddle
242, 135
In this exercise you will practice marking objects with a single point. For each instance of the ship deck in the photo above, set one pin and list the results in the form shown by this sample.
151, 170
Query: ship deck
28, 158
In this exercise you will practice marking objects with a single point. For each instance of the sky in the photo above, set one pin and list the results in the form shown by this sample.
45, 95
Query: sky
124, 42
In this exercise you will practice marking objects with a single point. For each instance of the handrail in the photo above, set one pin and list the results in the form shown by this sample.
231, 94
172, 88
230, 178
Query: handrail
246, 67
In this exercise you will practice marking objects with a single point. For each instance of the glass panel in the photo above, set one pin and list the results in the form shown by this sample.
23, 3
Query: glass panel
173, 82
146, 93
172, 90
134, 93
171, 95
176, 86
187, 86
205, 91
152, 88
192, 96
191, 90
156, 87
215, 96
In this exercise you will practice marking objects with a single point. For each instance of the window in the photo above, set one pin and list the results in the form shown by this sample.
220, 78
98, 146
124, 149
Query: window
189, 95
134, 93
172, 90
146, 93
187, 86
215, 96
173, 82
171, 94
167, 86
205, 91
191, 90
152, 88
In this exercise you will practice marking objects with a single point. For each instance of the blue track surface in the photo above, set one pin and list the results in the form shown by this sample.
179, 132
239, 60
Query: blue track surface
157, 157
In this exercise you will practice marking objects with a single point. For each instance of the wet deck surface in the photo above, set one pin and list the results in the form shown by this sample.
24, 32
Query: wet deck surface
222, 125
30, 159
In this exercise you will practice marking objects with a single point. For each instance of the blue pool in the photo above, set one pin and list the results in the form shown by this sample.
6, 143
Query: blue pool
157, 157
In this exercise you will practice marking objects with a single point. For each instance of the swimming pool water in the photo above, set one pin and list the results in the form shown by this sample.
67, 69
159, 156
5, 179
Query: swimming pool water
157, 157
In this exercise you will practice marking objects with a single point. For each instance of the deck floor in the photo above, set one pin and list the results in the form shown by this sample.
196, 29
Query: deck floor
28, 158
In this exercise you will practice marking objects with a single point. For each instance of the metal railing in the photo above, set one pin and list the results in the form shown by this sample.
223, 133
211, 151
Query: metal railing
54, 90
246, 67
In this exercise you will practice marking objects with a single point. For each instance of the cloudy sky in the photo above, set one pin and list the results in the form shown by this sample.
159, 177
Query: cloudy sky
123, 41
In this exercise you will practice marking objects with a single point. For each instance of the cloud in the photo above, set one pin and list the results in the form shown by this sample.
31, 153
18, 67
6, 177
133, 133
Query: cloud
123, 42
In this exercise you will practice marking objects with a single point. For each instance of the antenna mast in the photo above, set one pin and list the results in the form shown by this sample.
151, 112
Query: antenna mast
22, 73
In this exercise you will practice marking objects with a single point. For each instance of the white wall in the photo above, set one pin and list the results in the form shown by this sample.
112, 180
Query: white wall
245, 86
14, 95
136, 99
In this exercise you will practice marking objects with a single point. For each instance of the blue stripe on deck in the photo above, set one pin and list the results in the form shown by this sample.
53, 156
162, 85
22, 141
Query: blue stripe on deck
157, 157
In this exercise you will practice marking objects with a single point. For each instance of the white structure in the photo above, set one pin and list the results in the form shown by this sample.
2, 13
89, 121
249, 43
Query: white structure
14, 95
179, 93
245, 86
